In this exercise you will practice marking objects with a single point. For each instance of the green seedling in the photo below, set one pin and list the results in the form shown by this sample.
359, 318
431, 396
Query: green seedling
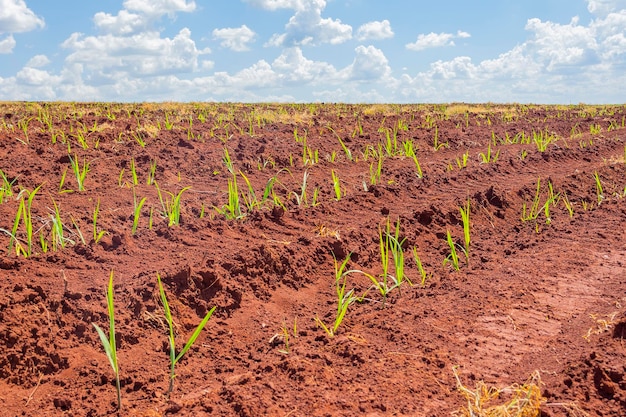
62, 183
6, 188
534, 208
389, 244
343, 145
97, 234
174, 358
420, 267
137, 211
409, 150
138, 137
461, 162
344, 299
376, 170
465, 217
302, 199
57, 230
599, 192
108, 343
78, 232
489, 157
152, 173
133, 171
568, 205
336, 185
228, 162
79, 172
171, 206
24, 213
249, 198
436, 144
232, 210
453, 258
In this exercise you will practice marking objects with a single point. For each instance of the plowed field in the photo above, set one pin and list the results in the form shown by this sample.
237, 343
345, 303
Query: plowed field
253, 209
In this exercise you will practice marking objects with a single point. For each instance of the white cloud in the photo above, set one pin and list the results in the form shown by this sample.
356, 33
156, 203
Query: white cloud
7, 44
158, 8
557, 63
124, 23
306, 26
130, 48
236, 39
435, 40
369, 64
143, 54
375, 30
16, 17
557, 45
294, 68
38, 61
604, 7
287, 4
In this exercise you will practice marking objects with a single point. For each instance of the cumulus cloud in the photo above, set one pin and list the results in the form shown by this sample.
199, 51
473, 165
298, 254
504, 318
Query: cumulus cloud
557, 63
7, 44
130, 47
38, 61
435, 40
369, 64
160, 8
293, 67
287, 4
604, 7
306, 26
142, 54
374, 30
15, 16
236, 39
124, 23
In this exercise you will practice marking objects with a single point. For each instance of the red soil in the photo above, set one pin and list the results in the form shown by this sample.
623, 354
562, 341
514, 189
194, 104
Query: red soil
533, 296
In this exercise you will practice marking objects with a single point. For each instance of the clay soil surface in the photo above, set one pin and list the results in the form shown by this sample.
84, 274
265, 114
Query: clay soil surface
541, 290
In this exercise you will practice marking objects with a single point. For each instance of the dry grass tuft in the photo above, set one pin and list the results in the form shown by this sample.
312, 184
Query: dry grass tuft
515, 400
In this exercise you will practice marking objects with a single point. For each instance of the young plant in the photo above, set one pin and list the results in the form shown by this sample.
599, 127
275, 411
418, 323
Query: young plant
389, 244
344, 299
108, 343
534, 208
171, 206
465, 217
228, 162
174, 358
24, 213
249, 198
302, 199
97, 235
152, 173
58, 235
336, 185
409, 150
489, 157
453, 258
232, 210
343, 145
79, 172
420, 267
6, 188
133, 171
599, 192
136, 211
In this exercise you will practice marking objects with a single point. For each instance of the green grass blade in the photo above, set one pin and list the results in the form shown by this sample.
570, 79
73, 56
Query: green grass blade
195, 334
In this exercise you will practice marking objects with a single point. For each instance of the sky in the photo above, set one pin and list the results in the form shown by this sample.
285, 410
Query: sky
354, 51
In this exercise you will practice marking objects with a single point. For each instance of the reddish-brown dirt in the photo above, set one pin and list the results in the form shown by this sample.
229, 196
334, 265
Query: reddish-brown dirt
544, 295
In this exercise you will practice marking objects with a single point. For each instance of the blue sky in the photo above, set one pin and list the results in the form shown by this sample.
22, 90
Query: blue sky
394, 51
